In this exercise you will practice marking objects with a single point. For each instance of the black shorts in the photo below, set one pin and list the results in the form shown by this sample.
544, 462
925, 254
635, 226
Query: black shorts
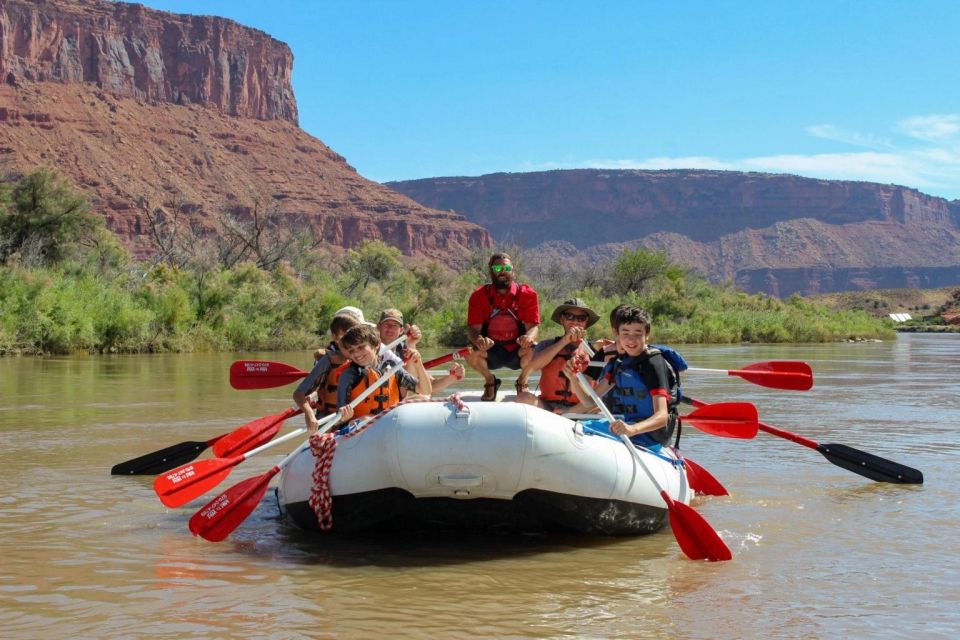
499, 358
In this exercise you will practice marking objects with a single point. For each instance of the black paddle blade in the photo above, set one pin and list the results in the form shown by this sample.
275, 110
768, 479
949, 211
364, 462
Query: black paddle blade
160, 461
869, 465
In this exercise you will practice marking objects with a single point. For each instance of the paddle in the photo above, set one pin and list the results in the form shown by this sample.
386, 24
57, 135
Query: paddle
222, 515
776, 374
731, 420
266, 374
859, 462
193, 480
702, 481
697, 539
242, 438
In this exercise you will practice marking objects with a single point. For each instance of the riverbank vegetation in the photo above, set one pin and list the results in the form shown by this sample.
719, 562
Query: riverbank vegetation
67, 285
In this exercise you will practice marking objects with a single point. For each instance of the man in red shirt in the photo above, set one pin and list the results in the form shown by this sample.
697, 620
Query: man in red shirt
502, 322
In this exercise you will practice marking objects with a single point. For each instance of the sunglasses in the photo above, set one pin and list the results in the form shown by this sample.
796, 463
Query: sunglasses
575, 317
498, 268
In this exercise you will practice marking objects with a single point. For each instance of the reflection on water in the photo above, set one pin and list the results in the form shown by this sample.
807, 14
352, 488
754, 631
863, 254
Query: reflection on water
819, 551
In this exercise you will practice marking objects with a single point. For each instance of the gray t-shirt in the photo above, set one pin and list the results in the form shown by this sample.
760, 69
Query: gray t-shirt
316, 376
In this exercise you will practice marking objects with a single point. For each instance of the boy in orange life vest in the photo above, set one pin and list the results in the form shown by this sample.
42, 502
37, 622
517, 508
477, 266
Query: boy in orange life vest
550, 356
369, 359
324, 375
502, 322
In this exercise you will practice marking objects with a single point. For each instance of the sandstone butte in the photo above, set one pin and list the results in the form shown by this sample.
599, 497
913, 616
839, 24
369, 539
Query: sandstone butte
147, 110
778, 234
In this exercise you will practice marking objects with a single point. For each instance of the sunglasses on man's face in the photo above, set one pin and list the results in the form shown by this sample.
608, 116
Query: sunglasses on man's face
497, 268
575, 317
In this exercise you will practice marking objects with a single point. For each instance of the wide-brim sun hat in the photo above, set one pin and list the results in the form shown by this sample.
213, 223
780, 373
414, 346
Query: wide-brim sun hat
350, 311
575, 303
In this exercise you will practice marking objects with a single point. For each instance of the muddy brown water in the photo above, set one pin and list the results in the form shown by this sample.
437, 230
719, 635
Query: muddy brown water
819, 552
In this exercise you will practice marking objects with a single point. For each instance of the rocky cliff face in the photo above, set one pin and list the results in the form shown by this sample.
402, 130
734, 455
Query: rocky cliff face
145, 109
778, 234
155, 56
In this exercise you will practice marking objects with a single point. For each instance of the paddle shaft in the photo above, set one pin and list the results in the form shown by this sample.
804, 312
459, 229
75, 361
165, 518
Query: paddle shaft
446, 358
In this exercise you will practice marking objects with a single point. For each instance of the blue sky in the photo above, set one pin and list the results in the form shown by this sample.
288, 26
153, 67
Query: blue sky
866, 90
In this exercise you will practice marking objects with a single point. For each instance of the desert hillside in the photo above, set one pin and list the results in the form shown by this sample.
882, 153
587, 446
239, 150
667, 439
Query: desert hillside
151, 111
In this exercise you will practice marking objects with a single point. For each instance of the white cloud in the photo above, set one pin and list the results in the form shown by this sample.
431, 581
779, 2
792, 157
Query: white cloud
928, 158
855, 138
868, 166
932, 128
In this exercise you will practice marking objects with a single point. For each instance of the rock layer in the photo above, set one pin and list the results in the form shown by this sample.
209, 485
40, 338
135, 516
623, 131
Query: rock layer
778, 234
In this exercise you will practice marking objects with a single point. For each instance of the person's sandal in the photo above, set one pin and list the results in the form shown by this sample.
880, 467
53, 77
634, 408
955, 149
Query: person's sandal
521, 386
495, 385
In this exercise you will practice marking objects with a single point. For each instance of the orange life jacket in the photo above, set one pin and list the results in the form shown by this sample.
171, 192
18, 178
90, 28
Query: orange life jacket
327, 393
387, 396
554, 386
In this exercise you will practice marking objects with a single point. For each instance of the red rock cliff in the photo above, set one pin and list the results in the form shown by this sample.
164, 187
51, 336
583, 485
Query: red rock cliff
145, 109
133, 51
774, 233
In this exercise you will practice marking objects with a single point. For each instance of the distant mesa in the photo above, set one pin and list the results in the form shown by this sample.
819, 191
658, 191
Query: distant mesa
778, 234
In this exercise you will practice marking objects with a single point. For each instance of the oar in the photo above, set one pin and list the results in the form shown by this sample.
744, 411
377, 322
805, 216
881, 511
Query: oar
730, 420
263, 374
193, 480
697, 539
249, 435
702, 481
860, 462
792, 375
222, 515
267, 374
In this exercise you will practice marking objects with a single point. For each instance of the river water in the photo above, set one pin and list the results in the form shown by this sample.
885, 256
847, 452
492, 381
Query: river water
818, 551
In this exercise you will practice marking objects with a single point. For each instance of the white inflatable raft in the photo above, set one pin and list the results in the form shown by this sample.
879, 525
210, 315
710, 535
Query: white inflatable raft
485, 466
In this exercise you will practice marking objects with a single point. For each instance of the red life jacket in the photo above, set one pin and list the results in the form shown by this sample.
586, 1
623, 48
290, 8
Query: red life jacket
554, 386
504, 325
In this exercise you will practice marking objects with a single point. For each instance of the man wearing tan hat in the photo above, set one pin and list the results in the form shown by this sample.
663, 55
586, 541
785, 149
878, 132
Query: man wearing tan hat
550, 356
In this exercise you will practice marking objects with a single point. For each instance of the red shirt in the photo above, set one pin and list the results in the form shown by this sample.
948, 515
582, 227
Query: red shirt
521, 297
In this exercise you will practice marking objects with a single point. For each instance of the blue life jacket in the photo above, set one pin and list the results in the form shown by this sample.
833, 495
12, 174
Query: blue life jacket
631, 398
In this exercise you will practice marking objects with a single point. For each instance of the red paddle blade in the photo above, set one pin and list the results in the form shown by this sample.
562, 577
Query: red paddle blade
725, 419
262, 374
224, 513
792, 375
696, 537
251, 435
702, 481
185, 483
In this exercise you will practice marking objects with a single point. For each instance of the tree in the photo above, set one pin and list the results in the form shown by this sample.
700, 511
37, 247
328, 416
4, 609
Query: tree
372, 261
44, 216
633, 271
